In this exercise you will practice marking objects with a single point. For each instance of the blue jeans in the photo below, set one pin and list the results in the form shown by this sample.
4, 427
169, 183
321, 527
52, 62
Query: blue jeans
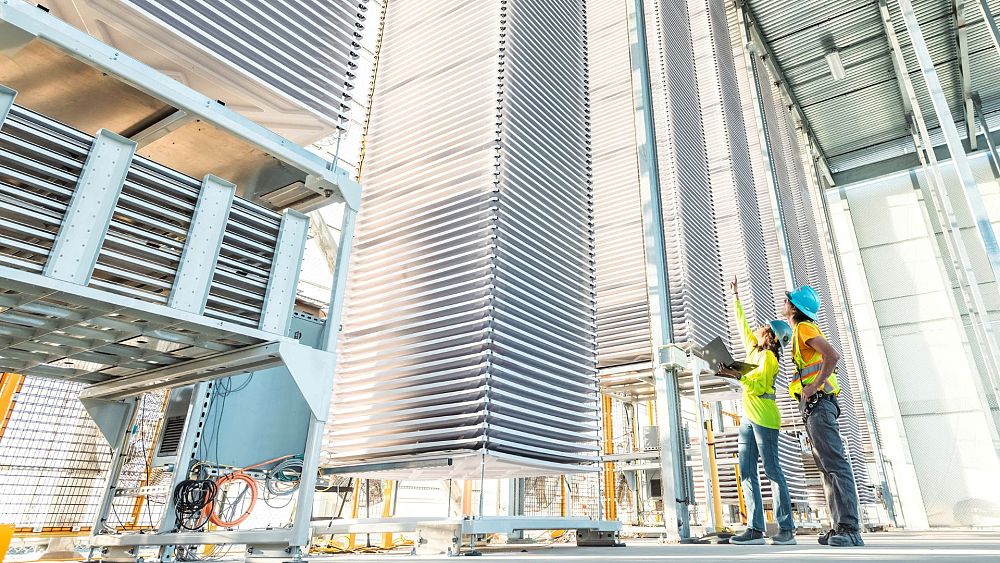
756, 440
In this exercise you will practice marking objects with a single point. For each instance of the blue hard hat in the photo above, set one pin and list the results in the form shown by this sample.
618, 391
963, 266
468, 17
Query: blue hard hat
806, 300
782, 331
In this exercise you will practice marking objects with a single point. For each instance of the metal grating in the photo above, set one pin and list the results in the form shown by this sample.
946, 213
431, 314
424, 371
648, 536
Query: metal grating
469, 321
58, 487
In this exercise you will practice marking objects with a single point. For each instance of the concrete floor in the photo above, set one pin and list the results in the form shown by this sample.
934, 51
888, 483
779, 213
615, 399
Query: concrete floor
887, 546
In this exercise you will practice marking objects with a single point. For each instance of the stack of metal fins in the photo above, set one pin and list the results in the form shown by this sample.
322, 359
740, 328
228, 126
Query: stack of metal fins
803, 220
622, 304
40, 164
305, 49
469, 340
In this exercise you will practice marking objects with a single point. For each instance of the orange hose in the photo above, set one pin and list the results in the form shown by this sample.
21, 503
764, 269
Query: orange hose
251, 484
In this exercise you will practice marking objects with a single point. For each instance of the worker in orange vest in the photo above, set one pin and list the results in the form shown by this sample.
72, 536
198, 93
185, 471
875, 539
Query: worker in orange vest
815, 388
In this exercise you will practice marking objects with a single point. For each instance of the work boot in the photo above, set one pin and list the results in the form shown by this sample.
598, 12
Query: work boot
748, 537
784, 537
846, 536
824, 539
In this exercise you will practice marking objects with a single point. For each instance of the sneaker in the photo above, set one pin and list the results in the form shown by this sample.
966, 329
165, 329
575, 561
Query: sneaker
748, 537
846, 537
784, 537
824, 539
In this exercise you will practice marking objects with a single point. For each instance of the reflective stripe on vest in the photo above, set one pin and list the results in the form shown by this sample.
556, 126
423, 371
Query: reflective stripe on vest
809, 371
769, 396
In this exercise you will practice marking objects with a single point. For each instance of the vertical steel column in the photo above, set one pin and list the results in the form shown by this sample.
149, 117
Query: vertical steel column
81, 234
189, 446
962, 38
697, 367
994, 155
335, 306
960, 162
119, 444
301, 530
193, 280
658, 294
279, 299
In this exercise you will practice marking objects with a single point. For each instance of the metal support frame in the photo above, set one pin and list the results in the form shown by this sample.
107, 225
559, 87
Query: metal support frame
698, 366
284, 276
675, 518
962, 38
970, 189
21, 22
193, 281
338, 289
81, 234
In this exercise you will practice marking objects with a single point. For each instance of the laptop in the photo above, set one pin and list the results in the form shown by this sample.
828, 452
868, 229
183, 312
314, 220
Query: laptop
716, 353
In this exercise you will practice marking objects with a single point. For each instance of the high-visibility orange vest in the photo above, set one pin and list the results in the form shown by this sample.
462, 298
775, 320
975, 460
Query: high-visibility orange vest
807, 370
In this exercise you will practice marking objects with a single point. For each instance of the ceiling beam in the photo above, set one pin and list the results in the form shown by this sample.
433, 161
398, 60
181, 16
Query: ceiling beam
962, 37
766, 55
991, 23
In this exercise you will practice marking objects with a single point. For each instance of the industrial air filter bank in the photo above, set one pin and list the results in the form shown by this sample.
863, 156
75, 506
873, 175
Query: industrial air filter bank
469, 338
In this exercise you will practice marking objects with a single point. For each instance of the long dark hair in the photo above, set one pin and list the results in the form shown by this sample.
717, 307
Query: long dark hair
799, 316
772, 344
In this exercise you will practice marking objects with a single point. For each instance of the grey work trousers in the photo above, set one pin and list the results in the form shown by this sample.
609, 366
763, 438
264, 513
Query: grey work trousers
831, 458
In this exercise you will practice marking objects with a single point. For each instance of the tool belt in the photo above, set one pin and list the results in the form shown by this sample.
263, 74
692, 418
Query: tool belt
806, 408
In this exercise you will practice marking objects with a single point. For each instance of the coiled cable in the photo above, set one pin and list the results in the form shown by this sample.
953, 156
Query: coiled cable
222, 512
284, 478
191, 499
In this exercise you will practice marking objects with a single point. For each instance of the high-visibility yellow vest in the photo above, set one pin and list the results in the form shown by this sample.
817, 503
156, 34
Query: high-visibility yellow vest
807, 370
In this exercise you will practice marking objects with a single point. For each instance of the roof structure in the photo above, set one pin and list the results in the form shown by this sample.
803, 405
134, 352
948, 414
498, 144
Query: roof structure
860, 124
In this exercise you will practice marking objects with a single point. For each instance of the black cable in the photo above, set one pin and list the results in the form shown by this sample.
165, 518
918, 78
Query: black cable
191, 498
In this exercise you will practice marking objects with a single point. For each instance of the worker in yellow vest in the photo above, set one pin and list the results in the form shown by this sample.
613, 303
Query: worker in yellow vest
815, 388
758, 436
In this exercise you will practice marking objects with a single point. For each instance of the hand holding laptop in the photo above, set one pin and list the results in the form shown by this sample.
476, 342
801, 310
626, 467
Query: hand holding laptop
729, 373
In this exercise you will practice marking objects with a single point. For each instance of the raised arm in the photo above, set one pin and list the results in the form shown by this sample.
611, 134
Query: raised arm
746, 333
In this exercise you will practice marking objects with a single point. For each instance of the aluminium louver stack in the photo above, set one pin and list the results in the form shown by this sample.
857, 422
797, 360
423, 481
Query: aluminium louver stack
623, 336
810, 265
469, 338
697, 295
305, 49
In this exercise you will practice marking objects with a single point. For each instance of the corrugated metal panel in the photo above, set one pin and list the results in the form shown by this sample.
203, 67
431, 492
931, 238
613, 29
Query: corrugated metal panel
302, 48
469, 324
